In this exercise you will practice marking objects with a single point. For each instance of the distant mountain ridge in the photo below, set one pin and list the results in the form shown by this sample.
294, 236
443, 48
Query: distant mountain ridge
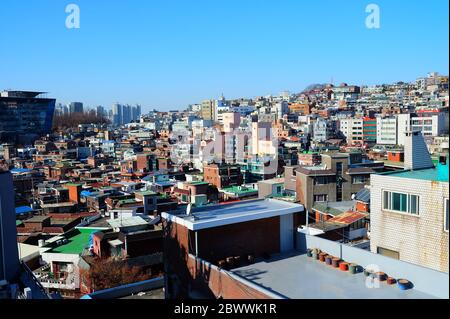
314, 87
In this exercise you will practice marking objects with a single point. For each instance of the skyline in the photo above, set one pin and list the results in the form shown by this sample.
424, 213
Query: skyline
169, 55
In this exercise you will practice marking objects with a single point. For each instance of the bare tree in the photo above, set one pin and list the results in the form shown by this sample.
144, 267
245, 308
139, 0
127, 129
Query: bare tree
75, 119
109, 273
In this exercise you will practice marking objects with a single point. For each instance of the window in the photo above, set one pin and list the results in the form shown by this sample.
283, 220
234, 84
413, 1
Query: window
388, 252
279, 189
359, 179
320, 198
339, 169
446, 220
401, 202
414, 204
320, 180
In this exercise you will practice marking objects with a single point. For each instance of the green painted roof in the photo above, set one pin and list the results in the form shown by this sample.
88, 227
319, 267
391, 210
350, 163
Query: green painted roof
78, 241
240, 190
199, 183
437, 174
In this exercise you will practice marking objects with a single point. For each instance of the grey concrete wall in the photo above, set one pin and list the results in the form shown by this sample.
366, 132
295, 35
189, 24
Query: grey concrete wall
426, 280
264, 190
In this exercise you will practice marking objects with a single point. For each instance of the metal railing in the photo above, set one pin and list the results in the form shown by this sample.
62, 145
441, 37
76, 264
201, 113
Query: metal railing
33, 278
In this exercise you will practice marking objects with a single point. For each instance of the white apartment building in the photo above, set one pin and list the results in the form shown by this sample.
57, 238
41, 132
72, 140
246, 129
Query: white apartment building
430, 125
320, 130
410, 209
221, 106
280, 109
352, 128
387, 130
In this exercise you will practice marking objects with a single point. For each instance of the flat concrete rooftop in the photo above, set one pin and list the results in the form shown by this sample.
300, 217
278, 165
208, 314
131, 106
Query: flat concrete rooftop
238, 212
297, 276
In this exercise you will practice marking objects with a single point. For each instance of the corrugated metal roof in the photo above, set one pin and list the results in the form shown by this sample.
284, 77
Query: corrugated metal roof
348, 218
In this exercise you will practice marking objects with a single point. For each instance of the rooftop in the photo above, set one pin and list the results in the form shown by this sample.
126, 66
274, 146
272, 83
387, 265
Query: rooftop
334, 208
360, 170
348, 218
127, 222
146, 193
23, 210
78, 240
296, 276
319, 170
197, 183
226, 214
129, 201
240, 190
437, 174
272, 181
53, 205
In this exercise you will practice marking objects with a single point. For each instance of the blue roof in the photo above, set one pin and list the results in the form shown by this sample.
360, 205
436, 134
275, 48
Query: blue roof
23, 210
20, 170
85, 193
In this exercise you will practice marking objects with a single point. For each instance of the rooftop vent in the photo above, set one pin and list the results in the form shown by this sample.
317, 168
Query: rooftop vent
416, 152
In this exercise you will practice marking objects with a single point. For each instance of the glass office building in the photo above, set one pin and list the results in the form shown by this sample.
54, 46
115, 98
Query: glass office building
25, 116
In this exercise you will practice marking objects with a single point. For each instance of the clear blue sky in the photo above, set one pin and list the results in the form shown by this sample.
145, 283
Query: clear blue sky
170, 53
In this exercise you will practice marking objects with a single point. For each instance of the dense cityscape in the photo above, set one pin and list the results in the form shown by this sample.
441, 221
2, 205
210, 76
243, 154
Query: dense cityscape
271, 197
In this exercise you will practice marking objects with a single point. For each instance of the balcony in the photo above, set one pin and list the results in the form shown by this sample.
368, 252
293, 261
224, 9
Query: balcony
60, 280
58, 283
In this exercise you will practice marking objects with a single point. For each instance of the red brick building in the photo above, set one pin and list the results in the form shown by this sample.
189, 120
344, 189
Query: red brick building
223, 175
224, 236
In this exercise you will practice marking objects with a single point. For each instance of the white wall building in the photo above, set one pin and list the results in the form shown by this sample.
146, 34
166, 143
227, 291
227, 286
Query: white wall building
410, 209
320, 130
430, 125
387, 130
352, 128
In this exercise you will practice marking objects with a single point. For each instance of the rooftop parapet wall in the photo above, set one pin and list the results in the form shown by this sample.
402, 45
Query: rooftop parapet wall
426, 280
